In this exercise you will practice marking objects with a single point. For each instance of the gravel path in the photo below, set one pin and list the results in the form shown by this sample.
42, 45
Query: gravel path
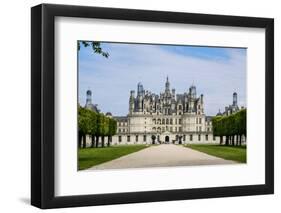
162, 156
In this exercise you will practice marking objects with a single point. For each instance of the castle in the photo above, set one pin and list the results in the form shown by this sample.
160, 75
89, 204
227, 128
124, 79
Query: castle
164, 118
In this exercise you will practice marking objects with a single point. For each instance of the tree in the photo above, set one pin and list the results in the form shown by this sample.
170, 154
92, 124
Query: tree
98, 132
218, 127
230, 126
84, 122
103, 127
112, 130
242, 123
96, 47
93, 127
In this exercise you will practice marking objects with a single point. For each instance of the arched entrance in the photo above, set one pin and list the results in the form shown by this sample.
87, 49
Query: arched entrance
167, 139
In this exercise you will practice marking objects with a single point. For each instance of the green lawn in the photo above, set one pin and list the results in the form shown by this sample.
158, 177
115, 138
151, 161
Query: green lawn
234, 153
89, 157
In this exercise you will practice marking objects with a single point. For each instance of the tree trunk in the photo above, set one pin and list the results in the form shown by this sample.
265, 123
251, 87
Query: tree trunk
232, 140
108, 141
102, 141
240, 140
237, 140
84, 141
227, 141
221, 140
97, 141
79, 139
93, 141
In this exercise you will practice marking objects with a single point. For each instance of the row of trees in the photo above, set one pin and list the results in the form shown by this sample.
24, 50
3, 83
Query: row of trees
231, 126
96, 125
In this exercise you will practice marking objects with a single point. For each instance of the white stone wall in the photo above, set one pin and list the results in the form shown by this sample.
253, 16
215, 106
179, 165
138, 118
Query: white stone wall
172, 137
196, 138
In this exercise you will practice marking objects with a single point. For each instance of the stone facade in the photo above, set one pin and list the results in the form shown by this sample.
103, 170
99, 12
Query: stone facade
167, 117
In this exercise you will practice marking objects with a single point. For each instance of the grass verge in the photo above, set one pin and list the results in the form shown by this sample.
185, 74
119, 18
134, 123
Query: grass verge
235, 153
89, 157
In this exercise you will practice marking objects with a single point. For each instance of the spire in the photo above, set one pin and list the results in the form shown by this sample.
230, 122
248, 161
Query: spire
167, 85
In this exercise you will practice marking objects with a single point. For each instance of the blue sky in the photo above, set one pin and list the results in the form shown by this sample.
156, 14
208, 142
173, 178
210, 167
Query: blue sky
216, 72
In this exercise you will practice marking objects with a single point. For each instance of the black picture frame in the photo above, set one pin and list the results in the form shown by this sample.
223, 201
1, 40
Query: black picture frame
43, 105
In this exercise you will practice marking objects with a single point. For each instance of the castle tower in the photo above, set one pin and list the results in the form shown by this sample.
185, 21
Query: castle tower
89, 97
234, 99
89, 104
132, 101
140, 89
192, 91
173, 93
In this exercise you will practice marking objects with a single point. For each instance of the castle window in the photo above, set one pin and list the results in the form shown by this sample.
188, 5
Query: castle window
190, 137
199, 137
183, 137
171, 129
200, 128
179, 113
163, 121
176, 129
180, 107
120, 138
128, 138
180, 129
137, 138
167, 121
206, 137
214, 138
171, 121
144, 138
179, 121
200, 120
119, 130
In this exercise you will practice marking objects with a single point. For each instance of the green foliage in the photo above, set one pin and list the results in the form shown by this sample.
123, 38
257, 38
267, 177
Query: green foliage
93, 123
231, 125
96, 47
84, 120
112, 127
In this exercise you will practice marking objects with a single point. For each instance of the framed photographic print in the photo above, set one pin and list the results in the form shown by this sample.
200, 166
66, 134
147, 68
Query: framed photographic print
139, 106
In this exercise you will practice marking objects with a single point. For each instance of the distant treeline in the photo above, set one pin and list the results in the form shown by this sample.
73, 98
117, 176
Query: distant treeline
96, 125
231, 126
